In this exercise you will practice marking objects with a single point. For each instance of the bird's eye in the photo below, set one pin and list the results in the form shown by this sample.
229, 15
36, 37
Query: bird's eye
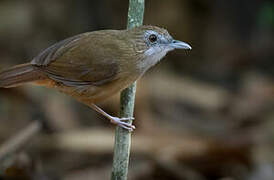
152, 38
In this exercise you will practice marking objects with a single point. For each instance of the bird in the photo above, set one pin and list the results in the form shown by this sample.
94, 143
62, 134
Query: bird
95, 65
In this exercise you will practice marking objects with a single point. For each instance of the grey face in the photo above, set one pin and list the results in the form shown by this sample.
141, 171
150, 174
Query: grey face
164, 41
158, 44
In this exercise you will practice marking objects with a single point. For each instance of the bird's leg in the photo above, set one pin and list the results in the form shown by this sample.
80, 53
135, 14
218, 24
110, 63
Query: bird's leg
115, 120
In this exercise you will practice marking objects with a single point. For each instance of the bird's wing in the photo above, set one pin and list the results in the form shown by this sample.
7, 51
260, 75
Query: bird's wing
74, 62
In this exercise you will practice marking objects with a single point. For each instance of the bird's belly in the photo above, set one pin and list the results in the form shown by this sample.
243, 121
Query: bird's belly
112, 88
88, 94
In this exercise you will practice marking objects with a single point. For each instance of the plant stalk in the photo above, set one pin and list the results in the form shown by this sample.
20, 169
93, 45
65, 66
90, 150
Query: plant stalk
123, 137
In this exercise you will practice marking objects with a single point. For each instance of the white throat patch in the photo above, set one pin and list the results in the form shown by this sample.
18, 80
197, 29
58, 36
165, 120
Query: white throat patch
152, 56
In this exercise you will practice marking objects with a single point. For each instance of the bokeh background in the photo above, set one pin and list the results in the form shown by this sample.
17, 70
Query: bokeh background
204, 114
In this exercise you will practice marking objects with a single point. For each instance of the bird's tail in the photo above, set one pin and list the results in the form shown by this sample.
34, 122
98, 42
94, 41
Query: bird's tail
18, 75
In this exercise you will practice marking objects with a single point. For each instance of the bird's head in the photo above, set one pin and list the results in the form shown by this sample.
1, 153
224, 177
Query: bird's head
153, 43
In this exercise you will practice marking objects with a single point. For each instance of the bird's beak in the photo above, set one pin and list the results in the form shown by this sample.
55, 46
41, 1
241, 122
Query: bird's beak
179, 45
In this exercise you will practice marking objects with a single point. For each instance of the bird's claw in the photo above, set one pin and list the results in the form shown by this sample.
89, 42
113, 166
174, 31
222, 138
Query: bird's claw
125, 125
126, 118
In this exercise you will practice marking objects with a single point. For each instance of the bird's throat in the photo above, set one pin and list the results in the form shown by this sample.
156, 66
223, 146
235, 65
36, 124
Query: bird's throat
151, 57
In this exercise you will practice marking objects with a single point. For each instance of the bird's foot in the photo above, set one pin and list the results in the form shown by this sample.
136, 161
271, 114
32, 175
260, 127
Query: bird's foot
125, 125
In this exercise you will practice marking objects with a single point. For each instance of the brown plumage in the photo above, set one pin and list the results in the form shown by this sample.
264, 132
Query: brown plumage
93, 66
18, 75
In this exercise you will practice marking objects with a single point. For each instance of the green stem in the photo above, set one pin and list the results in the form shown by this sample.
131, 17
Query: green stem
122, 136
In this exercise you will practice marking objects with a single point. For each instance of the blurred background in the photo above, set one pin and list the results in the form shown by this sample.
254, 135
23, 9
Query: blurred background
204, 114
